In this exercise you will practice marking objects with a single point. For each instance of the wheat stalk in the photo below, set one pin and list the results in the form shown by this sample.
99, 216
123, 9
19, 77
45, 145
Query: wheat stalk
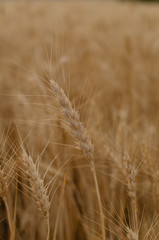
81, 137
39, 191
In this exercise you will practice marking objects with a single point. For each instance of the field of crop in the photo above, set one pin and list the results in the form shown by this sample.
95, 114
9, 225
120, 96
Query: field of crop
79, 121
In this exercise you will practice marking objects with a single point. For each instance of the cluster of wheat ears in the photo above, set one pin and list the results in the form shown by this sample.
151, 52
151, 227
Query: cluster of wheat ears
82, 140
79, 121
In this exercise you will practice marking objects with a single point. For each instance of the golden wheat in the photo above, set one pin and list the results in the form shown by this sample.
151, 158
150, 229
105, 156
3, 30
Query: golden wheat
106, 54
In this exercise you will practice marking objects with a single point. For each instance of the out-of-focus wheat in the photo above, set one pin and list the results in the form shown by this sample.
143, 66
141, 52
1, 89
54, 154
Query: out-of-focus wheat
130, 174
3, 185
3, 194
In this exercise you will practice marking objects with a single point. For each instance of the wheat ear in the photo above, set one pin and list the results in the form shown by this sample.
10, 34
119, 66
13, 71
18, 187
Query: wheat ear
39, 191
3, 194
130, 174
81, 137
73, 119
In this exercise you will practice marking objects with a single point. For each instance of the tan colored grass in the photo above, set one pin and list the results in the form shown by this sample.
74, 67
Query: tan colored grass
107, 55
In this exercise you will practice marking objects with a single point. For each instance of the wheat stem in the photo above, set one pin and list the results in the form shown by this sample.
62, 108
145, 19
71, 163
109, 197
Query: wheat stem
48, 226
59, 207
93, 169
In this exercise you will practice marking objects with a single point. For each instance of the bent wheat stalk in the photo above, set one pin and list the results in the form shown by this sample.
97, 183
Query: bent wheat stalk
38, 188
81, 136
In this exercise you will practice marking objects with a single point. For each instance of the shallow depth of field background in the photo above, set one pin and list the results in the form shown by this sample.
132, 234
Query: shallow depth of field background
106, 57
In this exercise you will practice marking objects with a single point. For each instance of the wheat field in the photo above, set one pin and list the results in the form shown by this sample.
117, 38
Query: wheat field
79, 100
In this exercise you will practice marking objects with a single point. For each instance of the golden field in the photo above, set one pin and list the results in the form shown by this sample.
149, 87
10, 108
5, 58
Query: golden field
80, 153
